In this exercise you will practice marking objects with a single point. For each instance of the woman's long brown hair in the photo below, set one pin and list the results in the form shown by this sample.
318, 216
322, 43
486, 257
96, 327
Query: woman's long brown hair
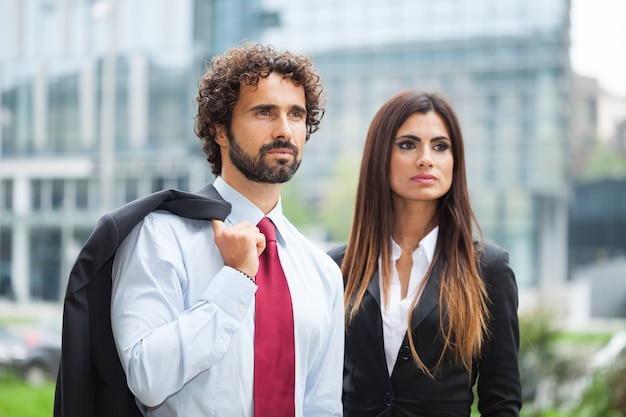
462, 295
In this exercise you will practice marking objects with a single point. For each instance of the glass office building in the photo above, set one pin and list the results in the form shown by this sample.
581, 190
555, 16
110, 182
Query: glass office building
97, 107
504, 65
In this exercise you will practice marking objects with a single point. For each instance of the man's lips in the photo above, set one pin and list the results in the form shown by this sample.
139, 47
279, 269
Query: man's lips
281, 152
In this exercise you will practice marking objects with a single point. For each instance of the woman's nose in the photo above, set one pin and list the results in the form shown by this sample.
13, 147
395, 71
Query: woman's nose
425, 159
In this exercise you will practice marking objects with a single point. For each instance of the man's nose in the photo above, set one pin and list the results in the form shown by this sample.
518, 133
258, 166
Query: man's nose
282, 129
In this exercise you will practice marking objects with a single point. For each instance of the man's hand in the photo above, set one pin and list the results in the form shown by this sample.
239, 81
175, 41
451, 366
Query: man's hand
240, 245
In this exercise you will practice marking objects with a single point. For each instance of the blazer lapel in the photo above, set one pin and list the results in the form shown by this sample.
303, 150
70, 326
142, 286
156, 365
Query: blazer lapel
428, 300
374, 288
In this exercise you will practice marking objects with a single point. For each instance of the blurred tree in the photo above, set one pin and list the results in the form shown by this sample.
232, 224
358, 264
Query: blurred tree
546, 367
603, 161
606, 396
338, 208
294, 205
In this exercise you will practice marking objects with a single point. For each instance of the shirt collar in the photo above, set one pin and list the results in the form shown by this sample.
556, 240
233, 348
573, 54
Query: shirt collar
243, 209
428, 244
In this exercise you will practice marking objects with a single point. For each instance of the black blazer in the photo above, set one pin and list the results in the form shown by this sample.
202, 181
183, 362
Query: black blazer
91, 381
369, 391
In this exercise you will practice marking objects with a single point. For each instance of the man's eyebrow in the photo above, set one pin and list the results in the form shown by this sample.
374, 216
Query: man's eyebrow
259, 107
299, 108
263, 107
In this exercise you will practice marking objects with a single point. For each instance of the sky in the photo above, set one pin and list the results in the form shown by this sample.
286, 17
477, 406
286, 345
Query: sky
598, 35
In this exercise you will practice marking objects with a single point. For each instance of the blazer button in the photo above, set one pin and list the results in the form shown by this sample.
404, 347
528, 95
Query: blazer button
405, 353
388, 399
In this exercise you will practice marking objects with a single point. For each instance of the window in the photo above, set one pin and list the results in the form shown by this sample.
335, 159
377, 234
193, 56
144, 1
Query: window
6, 199
58, 194
36, 188
82, 194
45, 263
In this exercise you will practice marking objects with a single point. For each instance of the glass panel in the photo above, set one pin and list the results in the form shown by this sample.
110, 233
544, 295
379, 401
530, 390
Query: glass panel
63, 128
6, 287
58, 194
131, 188
82, 194
16, 125
45, 263
170, 108
6, 199
36, 195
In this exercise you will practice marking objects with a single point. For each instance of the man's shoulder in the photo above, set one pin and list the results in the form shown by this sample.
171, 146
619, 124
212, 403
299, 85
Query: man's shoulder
163, 220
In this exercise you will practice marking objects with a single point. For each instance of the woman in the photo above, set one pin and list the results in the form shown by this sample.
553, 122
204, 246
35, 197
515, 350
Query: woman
429, 311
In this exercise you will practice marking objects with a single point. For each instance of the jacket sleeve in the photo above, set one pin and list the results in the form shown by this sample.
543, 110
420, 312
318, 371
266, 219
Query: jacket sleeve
499, 387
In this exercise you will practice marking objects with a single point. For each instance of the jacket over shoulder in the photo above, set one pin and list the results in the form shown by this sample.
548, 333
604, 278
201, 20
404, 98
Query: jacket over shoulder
91, 381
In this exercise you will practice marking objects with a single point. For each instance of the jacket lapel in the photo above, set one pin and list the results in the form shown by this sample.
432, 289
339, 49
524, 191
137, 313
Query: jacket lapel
374, 288
428, 300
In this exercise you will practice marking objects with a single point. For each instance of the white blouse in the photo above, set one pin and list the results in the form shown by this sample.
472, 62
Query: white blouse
395, 313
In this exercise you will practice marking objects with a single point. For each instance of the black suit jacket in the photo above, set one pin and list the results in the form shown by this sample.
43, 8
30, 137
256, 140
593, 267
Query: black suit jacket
368, 390
91, 381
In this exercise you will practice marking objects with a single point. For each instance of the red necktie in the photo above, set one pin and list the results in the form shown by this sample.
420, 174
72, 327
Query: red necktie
274, 351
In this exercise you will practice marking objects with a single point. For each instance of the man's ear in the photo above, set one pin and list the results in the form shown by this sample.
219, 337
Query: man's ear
221, 138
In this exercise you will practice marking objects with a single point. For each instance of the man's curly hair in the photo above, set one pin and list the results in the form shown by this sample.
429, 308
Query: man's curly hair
219, 87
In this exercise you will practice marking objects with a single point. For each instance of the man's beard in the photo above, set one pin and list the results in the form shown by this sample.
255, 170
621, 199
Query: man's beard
256, 168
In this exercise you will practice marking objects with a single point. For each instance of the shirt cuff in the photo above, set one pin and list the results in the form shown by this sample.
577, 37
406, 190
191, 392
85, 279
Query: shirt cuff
232, 292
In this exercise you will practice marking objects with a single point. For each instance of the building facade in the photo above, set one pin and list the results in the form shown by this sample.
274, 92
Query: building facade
97, 107
506, 68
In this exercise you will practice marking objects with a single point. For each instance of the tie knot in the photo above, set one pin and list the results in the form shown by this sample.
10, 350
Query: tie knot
266, 226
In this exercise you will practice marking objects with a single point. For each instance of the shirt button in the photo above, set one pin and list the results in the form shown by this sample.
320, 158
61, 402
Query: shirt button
388, 399
405, 353
242, 308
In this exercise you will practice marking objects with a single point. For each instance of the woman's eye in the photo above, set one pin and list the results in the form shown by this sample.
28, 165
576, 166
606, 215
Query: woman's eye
407, 144
441, 147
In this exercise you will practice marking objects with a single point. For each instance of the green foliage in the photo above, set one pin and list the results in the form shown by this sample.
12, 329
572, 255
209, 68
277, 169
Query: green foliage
18, 399
606, 396
294, 206
549, 354
537, 351
603, 162
338, 208
550, 360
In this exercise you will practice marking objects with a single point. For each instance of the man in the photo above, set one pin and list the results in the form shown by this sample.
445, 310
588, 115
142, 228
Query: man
185, 306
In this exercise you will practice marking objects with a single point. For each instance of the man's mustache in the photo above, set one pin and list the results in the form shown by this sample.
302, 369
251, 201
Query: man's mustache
277, 144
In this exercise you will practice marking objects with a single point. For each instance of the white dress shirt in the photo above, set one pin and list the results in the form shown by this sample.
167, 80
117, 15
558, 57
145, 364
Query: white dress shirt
184, 323
395, 313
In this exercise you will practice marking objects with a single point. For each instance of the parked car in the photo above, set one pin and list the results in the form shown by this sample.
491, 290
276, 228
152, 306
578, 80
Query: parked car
43, 343
13, 350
